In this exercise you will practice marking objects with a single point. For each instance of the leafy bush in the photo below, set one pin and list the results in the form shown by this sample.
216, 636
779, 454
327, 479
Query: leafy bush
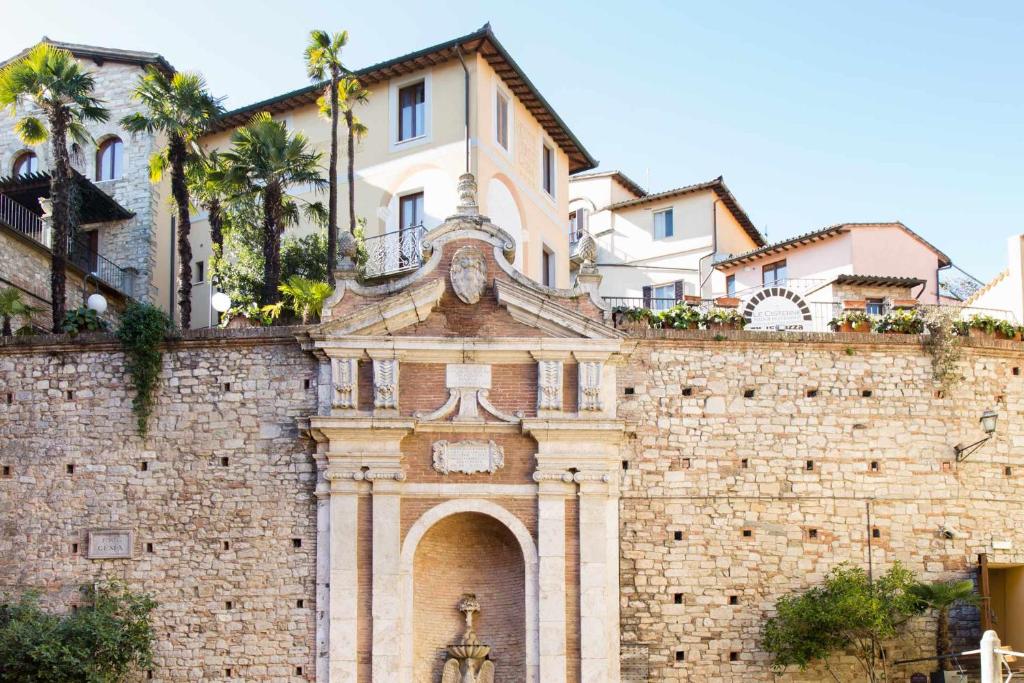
724, 316
848, 612
302, 296
305, 257
636, 315
988, 324
251, 311
105, 640
857, 319
13, 306
82, 319
681, 317
143, 328
901, 321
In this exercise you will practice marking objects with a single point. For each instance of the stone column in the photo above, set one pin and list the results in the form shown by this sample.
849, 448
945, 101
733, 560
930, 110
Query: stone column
344, 577
323, 569
599, 581
387, 574
551, 496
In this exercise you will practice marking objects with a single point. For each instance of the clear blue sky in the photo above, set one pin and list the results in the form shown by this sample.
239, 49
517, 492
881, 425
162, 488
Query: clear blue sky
815, 112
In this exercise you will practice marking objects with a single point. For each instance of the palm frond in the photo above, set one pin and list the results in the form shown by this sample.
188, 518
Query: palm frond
31, 130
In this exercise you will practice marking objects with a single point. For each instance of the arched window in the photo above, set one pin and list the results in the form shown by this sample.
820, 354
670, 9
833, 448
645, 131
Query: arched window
25, 164
109, 164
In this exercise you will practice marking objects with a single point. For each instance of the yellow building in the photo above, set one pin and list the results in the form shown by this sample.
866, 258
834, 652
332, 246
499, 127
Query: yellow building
430, 115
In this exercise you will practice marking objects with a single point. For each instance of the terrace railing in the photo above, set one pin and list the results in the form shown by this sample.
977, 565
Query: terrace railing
394, 252
20, 219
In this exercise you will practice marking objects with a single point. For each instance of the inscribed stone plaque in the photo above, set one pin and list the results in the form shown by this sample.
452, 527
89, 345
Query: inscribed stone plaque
466, 376
468, 457
105, 544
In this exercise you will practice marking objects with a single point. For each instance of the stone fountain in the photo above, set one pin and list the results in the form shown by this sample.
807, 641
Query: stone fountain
467, 661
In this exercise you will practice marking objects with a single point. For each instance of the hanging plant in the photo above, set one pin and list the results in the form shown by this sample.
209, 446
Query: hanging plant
143, 327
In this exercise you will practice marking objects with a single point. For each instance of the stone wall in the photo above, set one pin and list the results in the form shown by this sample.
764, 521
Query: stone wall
777, 435
25, 265
220, 496
789, 442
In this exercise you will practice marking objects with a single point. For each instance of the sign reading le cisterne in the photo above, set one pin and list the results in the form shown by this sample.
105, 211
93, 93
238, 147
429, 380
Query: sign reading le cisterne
777, 308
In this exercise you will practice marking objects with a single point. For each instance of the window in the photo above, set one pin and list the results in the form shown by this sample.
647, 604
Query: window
547, 268
501, 119
412, 111
200, 271
664, 297
774, 274
663, 227
410, 217
26, 163
730, 285
109, 160
577, 224
548, 170
875, 307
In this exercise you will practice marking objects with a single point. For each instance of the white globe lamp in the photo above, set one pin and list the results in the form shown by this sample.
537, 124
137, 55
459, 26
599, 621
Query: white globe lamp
221, 302
98, 303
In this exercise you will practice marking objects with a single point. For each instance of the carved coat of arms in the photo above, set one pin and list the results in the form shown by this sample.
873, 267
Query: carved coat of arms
468, 274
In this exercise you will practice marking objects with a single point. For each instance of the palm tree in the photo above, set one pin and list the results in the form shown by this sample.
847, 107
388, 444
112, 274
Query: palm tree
304, 296
179, 107
941, 596
12, 306
264, 162
51, 80
208, 187
352, 93
323, 60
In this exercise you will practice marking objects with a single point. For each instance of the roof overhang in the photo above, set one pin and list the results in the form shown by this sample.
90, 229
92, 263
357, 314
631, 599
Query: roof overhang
101, 55
482, 42
96, 205
618, 176
717, 186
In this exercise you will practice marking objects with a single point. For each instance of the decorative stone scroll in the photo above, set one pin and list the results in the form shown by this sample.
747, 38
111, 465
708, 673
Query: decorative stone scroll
106, 544
590, 385
468, 274
345, 376
385, 383
549, 385
468, 457
468, 387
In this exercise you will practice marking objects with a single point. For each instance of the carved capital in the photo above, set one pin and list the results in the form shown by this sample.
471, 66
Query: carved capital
549, 385
590, 372
345, 380
385, 383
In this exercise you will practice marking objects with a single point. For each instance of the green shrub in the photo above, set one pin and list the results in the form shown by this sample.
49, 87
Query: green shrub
989, 324
106, 640
82, 319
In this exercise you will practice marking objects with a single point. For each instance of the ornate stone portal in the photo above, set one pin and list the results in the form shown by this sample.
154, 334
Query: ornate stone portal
467, 662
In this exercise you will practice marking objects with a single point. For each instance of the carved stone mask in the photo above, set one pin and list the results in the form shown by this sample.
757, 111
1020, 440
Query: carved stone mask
468, 274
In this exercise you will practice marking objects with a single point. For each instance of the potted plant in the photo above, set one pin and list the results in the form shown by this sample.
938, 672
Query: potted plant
900, 321
633, 318
852, 321
940, 597
681, 317
724, 319
987, 326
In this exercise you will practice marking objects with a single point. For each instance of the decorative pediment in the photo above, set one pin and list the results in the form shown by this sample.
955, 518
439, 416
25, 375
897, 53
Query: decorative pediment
536, 310
387, 315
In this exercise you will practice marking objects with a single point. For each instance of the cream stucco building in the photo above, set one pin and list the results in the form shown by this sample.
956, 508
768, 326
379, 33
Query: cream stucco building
659, 247
432, 115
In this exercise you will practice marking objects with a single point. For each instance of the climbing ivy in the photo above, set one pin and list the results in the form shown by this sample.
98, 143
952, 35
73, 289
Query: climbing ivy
143, 327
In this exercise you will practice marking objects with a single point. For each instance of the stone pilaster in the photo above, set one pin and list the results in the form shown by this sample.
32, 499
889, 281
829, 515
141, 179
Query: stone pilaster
387, 576
553, 490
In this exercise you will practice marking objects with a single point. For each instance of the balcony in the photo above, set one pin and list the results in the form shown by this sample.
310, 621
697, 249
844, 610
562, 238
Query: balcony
394, 252
80, 253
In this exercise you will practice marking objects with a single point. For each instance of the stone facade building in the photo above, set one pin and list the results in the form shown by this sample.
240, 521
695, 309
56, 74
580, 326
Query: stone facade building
315, 503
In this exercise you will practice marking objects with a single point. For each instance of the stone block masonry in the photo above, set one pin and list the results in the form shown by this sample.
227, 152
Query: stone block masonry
777, 435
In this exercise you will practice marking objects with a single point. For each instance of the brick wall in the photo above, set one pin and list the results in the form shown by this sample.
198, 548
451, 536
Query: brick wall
469, 553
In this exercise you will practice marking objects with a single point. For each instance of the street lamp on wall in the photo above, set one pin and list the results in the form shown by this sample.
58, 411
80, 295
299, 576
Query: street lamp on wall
95, 301
988, 425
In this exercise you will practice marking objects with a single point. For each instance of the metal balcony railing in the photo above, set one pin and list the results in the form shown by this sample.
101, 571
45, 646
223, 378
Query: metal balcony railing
394, 252
16, 216
80, 254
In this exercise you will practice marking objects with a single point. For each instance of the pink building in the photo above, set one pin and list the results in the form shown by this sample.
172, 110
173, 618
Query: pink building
817, 271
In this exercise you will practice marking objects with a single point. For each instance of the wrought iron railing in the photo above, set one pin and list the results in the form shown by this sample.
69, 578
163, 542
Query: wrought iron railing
100, 267
394, 252
16, 216
80, 254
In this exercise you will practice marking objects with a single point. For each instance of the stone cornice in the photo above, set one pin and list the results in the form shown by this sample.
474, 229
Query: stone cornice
467, 350
537, 310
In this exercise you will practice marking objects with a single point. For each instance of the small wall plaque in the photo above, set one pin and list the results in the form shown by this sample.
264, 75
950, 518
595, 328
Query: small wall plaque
106, 544
468, 457
468, 376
